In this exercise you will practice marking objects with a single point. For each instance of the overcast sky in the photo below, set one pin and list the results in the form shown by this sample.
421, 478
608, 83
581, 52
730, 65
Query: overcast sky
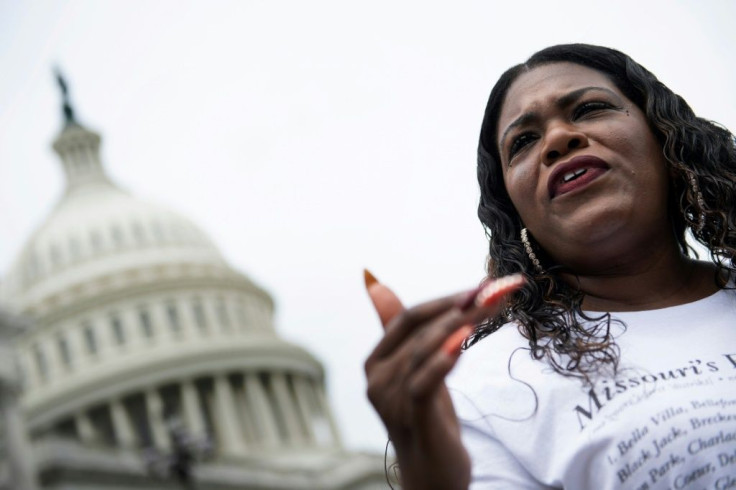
312, 139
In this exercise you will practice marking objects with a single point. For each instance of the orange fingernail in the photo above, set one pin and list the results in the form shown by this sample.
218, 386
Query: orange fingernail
497, 289
369, 278
454, 343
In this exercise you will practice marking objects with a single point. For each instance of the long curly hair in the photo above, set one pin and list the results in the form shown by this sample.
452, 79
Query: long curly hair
548, 310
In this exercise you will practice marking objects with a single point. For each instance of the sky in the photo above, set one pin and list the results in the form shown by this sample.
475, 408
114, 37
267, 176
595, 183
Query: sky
313, 139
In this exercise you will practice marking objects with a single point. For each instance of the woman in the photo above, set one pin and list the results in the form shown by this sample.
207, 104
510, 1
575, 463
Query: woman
613, 363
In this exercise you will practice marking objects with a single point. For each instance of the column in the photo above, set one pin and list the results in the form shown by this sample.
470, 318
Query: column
84, 428
193, 417
154, 408
17, 447
325, 408
286, 405
301, 389
121, 423
262, 410
250, 428
226, 420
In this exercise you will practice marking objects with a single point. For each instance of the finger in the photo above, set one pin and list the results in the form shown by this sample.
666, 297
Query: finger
395, 318
386, 303
444, 315
489, 301
408, 322
431, 375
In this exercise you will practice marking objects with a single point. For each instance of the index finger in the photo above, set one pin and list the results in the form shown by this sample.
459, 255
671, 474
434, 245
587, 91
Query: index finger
386, 303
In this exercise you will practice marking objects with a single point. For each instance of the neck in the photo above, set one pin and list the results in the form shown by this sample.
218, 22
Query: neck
656, 281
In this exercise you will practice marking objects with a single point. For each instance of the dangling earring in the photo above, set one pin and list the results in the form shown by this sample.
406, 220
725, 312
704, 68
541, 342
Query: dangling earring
530, 252
695, 189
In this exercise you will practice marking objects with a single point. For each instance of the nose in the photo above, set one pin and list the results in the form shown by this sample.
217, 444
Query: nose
560, 139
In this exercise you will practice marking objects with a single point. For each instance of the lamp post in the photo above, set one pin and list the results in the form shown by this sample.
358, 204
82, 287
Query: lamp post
178, 463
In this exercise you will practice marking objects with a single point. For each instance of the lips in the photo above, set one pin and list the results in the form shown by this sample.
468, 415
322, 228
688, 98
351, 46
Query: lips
575, 173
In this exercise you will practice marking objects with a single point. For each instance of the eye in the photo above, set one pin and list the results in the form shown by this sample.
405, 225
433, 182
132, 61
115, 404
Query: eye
519, 143
592, 106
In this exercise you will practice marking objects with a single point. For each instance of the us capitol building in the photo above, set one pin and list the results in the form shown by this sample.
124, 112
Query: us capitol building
143, 360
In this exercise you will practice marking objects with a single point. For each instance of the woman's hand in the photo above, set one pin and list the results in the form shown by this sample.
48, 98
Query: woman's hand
406, 373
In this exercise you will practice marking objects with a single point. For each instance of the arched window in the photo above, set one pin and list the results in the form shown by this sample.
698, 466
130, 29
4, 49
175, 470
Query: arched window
41, 362
96, 241
139, 234
64, 352
199, 317
145, 321
222, 314
117, 236
90, 339
118, 330
172, 313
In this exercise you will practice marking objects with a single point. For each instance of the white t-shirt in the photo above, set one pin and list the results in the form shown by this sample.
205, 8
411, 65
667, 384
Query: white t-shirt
667, 420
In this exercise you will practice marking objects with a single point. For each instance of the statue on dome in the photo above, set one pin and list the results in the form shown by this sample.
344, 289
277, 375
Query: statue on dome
68, 111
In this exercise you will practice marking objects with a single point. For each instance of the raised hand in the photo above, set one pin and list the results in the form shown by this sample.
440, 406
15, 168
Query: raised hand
406, 373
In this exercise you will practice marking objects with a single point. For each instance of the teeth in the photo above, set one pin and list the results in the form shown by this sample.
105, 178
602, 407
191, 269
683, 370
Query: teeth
572, 175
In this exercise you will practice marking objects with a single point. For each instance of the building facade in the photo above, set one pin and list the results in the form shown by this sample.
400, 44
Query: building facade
151, 363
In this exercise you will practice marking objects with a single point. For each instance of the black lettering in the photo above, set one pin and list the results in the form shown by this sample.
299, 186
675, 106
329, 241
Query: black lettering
620, 387
668, 375
588, 414
695, 367
732, 358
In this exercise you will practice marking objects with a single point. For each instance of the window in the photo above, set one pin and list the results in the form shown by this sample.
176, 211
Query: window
222, 314
117, 328
64, 352
96, 241
145, 319
41, 362
90, 340
55, 255
173, 315
240, 312
158, 232
138, 235
117, 236
74, 249
198, 312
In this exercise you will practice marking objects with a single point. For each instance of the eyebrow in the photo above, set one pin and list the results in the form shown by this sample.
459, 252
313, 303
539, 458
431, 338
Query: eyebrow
565, 100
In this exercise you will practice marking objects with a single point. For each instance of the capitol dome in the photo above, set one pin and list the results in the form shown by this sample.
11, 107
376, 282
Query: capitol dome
94, 222
138, 324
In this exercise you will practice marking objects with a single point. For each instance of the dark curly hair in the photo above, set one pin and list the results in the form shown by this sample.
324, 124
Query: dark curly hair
547, 309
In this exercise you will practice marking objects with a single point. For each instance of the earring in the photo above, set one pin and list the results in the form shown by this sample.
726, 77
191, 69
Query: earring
530, 252
695, 189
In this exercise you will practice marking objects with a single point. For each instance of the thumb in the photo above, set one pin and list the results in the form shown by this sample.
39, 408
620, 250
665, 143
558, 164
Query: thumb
386, 303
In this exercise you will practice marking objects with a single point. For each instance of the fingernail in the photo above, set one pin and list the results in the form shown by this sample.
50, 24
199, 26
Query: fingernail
369, 278
495, 290
454, 343
468, 300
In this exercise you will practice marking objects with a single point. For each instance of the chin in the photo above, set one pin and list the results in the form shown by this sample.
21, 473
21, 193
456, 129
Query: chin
599, 236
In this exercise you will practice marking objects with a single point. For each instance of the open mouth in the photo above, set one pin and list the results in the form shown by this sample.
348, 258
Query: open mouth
568, 177
575, 174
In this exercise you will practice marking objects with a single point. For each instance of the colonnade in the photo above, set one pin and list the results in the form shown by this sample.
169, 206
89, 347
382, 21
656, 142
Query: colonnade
241, 412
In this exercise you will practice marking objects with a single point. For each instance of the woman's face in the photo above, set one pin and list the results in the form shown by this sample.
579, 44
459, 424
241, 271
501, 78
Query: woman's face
582, 167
